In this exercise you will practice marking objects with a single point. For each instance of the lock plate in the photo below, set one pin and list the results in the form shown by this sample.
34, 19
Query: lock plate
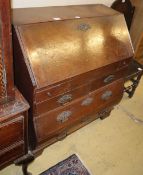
83, 27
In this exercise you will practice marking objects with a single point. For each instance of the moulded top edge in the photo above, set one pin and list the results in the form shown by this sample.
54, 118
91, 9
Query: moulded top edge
43, 14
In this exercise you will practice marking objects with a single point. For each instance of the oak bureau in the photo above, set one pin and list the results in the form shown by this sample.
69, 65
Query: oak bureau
70, 65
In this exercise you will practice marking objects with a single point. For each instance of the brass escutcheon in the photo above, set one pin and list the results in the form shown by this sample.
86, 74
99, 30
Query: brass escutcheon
83, 27
64, 116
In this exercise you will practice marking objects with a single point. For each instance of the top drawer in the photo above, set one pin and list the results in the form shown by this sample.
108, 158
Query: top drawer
63, 87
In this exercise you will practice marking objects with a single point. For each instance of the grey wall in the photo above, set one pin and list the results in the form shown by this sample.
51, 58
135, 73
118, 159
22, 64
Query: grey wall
41, 3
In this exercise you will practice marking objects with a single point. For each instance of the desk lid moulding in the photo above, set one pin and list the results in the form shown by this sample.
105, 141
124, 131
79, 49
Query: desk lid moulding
44, 14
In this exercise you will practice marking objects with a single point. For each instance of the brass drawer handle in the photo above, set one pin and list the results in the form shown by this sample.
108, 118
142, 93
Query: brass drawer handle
88, 101
64, 99
106, 95
109, 79
64, 116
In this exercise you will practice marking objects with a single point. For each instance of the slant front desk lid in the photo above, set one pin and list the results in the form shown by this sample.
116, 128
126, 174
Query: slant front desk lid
56, 50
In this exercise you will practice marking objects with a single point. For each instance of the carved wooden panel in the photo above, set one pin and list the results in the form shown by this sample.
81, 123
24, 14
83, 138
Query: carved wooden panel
6, 62
2, 84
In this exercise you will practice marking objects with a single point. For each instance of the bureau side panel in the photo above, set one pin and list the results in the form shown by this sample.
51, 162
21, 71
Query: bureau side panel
24, 82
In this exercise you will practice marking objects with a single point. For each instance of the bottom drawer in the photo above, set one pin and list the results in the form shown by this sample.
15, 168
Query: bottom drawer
61, 134
11, 132
51, 123
10, 154
100, 113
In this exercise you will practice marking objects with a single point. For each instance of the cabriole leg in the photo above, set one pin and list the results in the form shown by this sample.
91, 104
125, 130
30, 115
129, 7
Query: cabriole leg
25, 161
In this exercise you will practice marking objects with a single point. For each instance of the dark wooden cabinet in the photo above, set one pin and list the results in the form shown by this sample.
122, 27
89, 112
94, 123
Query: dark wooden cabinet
13, 130
13, 107
72, 64
7, 91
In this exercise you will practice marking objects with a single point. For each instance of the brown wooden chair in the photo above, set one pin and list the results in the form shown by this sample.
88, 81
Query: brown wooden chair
134, 75
135, 70
125, 7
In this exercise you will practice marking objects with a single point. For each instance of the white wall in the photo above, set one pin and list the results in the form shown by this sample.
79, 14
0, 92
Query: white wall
42, 3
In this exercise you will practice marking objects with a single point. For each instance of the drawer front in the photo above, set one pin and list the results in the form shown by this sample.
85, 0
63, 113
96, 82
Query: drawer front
63, 87
12, 153
76, 93
63, 117
11, 132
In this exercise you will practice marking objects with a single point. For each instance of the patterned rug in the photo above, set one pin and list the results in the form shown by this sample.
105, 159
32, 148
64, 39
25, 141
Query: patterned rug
70, 166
